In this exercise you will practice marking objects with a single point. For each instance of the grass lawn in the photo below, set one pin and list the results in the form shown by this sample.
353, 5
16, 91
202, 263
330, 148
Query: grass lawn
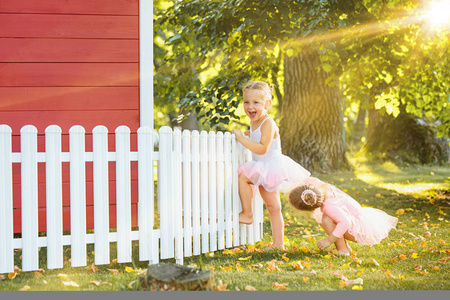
416, 255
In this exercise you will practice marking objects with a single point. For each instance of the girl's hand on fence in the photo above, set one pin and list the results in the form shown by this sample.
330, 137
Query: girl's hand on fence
237, 133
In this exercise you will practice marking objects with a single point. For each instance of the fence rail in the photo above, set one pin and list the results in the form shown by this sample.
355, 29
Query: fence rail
196, 201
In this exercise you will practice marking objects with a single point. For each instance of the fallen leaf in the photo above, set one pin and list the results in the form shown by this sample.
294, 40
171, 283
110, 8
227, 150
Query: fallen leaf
260, 265
12, 275
279, 286
226, 269
284, 257
62, 275
357, 287
114, 261
115, 271
272, 266
434, 267
403, 256
305, 279
24, 288
220, 286
245, 258
95, 283
414, 255
70, 283
93, 268
37, 274
130, 285
393, 259
249, 288
400, 211
375, 262
296, 265
129, 269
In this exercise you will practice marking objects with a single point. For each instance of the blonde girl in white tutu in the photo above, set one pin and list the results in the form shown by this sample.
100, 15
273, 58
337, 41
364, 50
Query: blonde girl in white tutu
342, 217
269, 170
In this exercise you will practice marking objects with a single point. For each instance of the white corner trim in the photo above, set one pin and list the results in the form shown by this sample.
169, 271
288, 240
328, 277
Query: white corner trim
146, 62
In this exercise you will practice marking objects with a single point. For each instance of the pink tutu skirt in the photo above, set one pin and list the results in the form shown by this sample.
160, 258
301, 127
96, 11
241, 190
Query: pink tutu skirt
369, 227
278, 172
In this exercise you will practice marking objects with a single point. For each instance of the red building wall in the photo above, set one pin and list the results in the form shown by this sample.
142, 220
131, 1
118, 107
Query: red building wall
69, 62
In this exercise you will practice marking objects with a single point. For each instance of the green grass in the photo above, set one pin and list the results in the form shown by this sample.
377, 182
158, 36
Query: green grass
416, 255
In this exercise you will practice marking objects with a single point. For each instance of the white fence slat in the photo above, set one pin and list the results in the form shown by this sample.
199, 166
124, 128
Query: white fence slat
243, 228
212, 191
228, 191
204, 190
236, 199
123, 192
220, 192
53, 179
29, 188
6, 202
165, 182
77, 195
101, 194
187, 190
195, 165
146, 206
177, 196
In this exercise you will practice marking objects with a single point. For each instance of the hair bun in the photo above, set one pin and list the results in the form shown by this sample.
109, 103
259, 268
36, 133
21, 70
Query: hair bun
309, 197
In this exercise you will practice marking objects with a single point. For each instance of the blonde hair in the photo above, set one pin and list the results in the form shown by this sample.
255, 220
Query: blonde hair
260, 86
307, 197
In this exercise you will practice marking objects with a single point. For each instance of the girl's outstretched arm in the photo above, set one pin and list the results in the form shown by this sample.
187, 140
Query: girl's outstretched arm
267, 134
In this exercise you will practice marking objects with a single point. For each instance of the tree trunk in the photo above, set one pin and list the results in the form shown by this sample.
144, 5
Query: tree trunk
311, 125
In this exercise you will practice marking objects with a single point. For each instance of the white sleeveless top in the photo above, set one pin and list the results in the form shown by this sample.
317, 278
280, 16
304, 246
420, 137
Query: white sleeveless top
275, 147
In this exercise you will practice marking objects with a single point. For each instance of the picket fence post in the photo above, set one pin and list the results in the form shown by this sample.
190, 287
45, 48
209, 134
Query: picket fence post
166, 189
146, 206
53, 179
195, 165
101, 194
77, 195
29, 189
6, 202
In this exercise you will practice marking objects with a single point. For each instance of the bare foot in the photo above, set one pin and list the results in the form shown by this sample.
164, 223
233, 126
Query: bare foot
341, 252
348, 247
245, 219
272, 246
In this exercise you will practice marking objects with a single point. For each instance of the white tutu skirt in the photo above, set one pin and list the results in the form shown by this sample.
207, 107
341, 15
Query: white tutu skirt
279, 172
369, 227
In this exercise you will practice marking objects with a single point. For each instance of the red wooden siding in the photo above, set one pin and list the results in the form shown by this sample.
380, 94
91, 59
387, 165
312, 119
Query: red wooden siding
69, 62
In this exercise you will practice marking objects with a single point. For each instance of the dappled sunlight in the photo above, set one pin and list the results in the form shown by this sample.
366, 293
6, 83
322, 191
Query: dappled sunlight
418, 188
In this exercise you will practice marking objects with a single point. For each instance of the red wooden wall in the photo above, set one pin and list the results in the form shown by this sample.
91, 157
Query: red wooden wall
69, 62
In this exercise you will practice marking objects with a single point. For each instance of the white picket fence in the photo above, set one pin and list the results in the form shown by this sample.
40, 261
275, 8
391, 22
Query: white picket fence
198, 201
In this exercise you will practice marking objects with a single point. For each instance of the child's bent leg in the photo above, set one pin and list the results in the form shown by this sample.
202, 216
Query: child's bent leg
273, 205
341, 244
246, 195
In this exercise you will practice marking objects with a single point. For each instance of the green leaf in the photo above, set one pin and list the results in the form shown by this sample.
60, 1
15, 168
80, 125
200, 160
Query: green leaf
290, 52
327, 67
174, 38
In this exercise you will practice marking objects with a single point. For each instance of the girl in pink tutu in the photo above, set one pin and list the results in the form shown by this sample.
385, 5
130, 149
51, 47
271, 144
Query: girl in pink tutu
342, 218
269, 170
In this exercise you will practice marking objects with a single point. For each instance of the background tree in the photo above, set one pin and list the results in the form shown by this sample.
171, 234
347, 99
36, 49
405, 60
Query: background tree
309, 51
